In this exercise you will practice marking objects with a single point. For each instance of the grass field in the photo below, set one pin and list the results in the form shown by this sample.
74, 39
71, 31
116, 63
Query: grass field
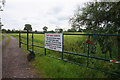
51, 68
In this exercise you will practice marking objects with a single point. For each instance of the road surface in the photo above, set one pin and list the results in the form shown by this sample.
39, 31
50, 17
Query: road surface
14, 62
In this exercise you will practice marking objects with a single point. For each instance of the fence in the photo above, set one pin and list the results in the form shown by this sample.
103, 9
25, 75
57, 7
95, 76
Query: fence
86, 57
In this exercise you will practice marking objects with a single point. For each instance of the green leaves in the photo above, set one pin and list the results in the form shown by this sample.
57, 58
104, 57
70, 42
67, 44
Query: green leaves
28, 27
45, 29
97, 16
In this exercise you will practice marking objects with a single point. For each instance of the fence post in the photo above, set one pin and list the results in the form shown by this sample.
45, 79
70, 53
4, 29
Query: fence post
19, 39
88, 51
62, 45
45, 51
44, 44
32, 42
27, 40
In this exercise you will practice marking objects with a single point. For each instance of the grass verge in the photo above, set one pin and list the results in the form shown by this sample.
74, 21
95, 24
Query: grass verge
7, 42
52, 68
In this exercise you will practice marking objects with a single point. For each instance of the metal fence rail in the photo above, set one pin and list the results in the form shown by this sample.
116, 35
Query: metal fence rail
71, 53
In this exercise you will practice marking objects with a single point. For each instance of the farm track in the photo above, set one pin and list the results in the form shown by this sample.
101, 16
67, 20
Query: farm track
14, 62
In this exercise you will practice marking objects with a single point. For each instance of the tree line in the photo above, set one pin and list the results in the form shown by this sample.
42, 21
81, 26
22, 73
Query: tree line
28, 27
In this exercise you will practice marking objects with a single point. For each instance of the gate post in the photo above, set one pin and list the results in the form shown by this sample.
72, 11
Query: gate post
88, 51
27, 40
62, 45
32, 42
45, 51
44, 44
19, 39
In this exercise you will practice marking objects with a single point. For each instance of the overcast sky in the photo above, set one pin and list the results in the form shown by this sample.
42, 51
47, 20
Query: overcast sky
39, 13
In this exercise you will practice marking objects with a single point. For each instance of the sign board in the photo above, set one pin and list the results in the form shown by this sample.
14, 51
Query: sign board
53, 41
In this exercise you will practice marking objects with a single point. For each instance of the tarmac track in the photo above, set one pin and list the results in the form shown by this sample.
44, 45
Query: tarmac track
14, 62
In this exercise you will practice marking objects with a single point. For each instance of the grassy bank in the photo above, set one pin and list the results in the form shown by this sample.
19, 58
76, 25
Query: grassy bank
7, 42
1, 37
52, 68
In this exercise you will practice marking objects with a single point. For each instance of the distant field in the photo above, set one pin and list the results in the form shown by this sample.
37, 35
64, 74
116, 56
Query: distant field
53, 68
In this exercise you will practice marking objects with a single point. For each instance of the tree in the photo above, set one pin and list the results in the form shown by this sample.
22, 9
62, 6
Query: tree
4, 30
45, 29
13, 30
99, 17
8, 30
58, 30
28, 27
80, 30
71, 30
51, 31
35, 30
1, 25
3, 3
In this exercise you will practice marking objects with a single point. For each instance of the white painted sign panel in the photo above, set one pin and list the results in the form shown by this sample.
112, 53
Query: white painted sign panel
53, 41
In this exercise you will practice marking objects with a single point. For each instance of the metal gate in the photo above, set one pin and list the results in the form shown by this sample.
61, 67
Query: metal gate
87, 58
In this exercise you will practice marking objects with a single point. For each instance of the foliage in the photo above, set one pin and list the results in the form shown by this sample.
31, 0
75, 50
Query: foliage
74, 30
59, 30
35, 30
10, 31
4, 30
45, 29
3, 3
1, 25
51, 31
28, 27
98, 17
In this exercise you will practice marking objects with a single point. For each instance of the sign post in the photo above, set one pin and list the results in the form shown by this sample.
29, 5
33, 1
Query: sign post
53, 41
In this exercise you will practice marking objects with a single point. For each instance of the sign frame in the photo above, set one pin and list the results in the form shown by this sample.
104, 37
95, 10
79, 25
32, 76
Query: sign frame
54, 41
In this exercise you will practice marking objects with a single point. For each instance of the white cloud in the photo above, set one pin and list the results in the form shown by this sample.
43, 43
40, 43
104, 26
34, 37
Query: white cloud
39, 13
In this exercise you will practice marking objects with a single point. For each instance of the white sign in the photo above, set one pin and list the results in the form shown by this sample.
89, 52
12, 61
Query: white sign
53, 41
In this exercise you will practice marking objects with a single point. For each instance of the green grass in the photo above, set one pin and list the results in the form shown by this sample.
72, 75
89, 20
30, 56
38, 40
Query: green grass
9, 39
52, 68
1, 37
7, 42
